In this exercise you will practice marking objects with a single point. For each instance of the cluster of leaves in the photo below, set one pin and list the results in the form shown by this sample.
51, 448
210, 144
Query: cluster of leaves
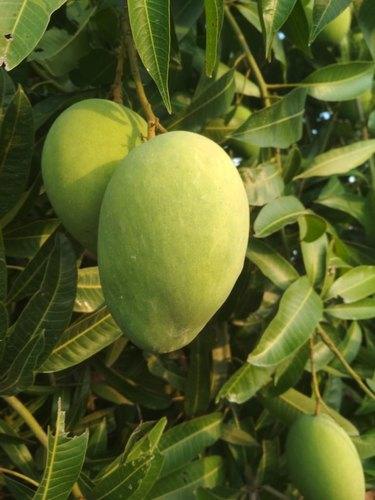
208, 421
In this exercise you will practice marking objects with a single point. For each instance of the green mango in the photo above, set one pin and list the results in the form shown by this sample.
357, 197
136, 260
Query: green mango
322, 460
173, 232
337, 29
82, 149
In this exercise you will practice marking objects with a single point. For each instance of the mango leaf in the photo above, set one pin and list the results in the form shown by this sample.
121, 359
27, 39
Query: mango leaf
81, 340
183, 483
341, 81
339, 160
16, 145
277, 214
366, 23
197, 389
350, 345
214, 100
292, 404
274, 13
180, 444
279, 125
299, 313
16, 450
262, 183
185, 15
315, 259
150, 24
65, 456
244, 383
297, 27
24, 241
354, 285
324, 12
50, 308
28, 281
7, 91
22, 25
19, 371
269, 463
19, 490
214, 10
362, 309
166, 369
272, 264
289, 373
89, 291
134, 475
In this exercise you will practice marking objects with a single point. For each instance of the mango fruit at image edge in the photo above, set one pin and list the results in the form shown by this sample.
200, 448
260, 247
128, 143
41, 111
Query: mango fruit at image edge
82, 149
323, 462
173, 233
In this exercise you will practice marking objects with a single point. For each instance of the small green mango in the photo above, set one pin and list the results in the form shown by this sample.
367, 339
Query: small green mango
337, 29
173, 232
82, 149
322, 460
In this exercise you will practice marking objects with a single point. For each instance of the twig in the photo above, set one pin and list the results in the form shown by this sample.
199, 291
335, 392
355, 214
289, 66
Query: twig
314, 379
39, 433
11, 472
249, 56
116, 90
326, 339
152, 120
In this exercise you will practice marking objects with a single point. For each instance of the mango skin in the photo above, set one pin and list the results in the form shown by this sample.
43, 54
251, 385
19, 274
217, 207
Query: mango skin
322, 460
81, 151
337, 29
173, 232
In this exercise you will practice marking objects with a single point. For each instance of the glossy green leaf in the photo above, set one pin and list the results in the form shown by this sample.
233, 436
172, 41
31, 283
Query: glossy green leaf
89, 291
244, 383
17, 451
183, 442
150, 24
366, 23
299, 313
184, 483
350, 345
292, 404
50, 308
277, 214
197, 389
315, 259
16, 145
214, 100
65, 456
25, 240
166, 369
289, 373
324, 12
262, 183
82, 339
362, 309
214, 11
339, 160
22, 25
354, 285
272, 264
274, 13
279, 125
341, 81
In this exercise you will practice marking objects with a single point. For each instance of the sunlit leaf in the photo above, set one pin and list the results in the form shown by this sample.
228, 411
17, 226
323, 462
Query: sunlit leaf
274, 13
89, 291
277, 214
324, 12
262, 183
362, 309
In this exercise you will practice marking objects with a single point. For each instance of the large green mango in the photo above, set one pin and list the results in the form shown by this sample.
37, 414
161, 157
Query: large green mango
81, 151
322, 460
173, 232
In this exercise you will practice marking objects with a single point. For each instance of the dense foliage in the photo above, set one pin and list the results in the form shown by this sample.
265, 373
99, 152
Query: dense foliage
291, 101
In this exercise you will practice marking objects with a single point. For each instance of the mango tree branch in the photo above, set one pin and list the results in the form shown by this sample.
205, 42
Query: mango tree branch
152, 120
327, 340
39, 433
249, 56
